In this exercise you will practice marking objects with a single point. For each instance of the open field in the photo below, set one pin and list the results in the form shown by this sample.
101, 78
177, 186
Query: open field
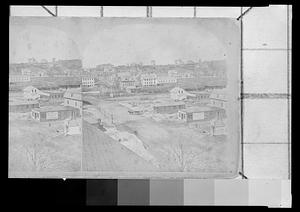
47, 83
179, 148
35, 146
174, 145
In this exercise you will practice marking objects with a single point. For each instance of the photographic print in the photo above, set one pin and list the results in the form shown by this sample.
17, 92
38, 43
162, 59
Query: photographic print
124, 97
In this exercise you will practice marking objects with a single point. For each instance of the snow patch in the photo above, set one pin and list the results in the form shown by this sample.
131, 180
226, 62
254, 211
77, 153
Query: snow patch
133, 143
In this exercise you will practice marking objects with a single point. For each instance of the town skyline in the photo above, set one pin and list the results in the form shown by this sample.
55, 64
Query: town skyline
120, 95
178, 61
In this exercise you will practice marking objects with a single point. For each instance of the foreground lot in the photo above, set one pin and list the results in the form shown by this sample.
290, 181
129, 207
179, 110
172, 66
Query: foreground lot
175, 146
35, 146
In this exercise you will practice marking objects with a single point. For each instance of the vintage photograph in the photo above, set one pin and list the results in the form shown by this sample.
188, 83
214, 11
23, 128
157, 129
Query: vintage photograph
124, 97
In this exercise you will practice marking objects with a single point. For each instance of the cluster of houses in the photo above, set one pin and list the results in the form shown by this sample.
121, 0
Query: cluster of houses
126, 82
114, 82
48, 105
118, 80
45, 106
208, 114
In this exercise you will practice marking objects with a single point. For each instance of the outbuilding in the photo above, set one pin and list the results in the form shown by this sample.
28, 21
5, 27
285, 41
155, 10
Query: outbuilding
54, 113
23, 106
204, 113
52, 96
135, 111
168, 107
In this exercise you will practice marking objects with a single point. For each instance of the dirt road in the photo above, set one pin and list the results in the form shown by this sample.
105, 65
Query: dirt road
102, 153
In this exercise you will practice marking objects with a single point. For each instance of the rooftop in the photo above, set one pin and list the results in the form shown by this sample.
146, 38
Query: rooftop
176, 89
148, 75
73, 94
21, 102
127, 79
53, 108
219, 123
218, 97
199, 109
54, 91
29, 88
136, 109
166, 78
200, 92
162, 104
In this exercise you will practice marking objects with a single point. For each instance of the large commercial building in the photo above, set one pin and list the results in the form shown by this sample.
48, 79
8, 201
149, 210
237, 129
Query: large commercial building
165, 79
148, 80
88, 82
127, 81
19, 78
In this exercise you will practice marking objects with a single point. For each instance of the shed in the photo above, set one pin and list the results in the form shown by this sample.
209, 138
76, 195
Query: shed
204, 113
135, 110
168, 107
54, 113
23, 106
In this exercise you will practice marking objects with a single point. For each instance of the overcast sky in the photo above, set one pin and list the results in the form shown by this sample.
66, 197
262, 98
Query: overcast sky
118, 42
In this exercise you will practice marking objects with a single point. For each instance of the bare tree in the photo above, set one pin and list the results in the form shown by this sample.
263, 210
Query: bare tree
38, 153
183, 158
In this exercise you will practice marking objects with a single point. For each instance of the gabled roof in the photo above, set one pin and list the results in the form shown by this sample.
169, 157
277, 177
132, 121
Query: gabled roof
127, 78
73, 94
31, 96
29, 88
176, 89
184, 91
219, 94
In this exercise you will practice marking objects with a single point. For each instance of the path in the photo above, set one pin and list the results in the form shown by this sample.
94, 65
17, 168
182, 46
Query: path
102, 153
